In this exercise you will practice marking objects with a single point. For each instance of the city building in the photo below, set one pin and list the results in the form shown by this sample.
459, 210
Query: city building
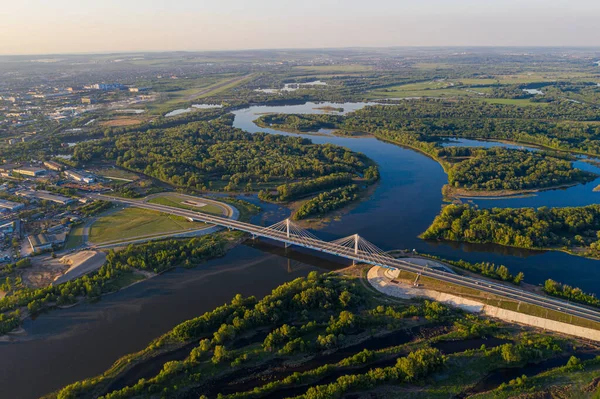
108, 86
7, 227
8, 167
138, 89
80, 177
53, 165
40, 243
10, 206
45, 195
30, 171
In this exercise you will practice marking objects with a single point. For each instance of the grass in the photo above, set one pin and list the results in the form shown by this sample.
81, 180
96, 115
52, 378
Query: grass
123, 121
75, 237
421, 89
224, 86
498, 301
177, 202
513, 101
135, 222
196, 89
125, 280
116, 173
557, 377
334, 68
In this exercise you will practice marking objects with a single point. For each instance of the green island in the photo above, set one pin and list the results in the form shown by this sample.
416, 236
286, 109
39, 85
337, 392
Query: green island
328, 336
572, 229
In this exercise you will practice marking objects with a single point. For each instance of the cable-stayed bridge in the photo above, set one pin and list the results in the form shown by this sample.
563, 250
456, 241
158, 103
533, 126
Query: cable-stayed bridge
359, 250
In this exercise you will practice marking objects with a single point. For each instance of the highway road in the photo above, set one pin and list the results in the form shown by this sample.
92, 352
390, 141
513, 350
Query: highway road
377, 259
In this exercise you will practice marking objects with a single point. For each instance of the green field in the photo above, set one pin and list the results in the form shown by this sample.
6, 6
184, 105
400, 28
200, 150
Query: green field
177, 202
334, 68
134, 222
75, 237
116, 174
422, 89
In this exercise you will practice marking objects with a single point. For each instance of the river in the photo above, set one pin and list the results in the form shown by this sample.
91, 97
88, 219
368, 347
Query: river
67, 345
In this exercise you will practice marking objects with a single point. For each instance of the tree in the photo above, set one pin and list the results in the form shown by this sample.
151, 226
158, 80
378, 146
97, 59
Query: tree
220, 354
519, 278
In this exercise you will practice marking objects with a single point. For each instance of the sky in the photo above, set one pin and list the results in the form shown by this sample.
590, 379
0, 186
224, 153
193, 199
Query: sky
90, 26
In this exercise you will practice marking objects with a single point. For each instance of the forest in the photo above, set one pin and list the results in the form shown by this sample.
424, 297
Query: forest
327, 201
214, 156
574, 294
307, 340
154, 257
474, 169
569, 228
509, 169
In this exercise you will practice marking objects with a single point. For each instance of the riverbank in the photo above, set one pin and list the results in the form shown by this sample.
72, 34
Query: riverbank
453, 193
399, 284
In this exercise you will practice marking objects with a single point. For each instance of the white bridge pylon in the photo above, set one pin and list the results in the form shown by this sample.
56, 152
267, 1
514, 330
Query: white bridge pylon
348, 246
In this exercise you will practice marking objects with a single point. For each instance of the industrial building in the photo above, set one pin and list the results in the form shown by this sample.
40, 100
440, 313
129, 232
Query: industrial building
53, 165
108, 86
10, 206
40, 243
7, 227
30, 171
45, 195
80, 177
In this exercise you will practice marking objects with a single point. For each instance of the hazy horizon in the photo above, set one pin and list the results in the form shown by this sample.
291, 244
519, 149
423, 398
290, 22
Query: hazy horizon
33, 27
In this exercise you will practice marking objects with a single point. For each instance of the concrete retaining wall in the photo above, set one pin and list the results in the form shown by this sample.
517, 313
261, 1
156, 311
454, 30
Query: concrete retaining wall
380, 278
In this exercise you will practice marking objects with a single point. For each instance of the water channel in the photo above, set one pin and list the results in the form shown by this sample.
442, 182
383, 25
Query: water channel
71, 344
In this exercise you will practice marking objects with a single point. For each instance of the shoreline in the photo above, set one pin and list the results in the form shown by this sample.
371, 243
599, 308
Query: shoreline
385, 283
462, 193
541, 249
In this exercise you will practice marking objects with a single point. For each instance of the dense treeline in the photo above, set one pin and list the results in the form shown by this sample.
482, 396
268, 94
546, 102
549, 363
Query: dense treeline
509, 169
292, 191
96, 207
304, 316
469, 168
327, 201
565, 291
498, 272
9, 321
522, 227
301, 123
302, 319
154, 256
412, 368
559, 125
206, 154
162, 255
